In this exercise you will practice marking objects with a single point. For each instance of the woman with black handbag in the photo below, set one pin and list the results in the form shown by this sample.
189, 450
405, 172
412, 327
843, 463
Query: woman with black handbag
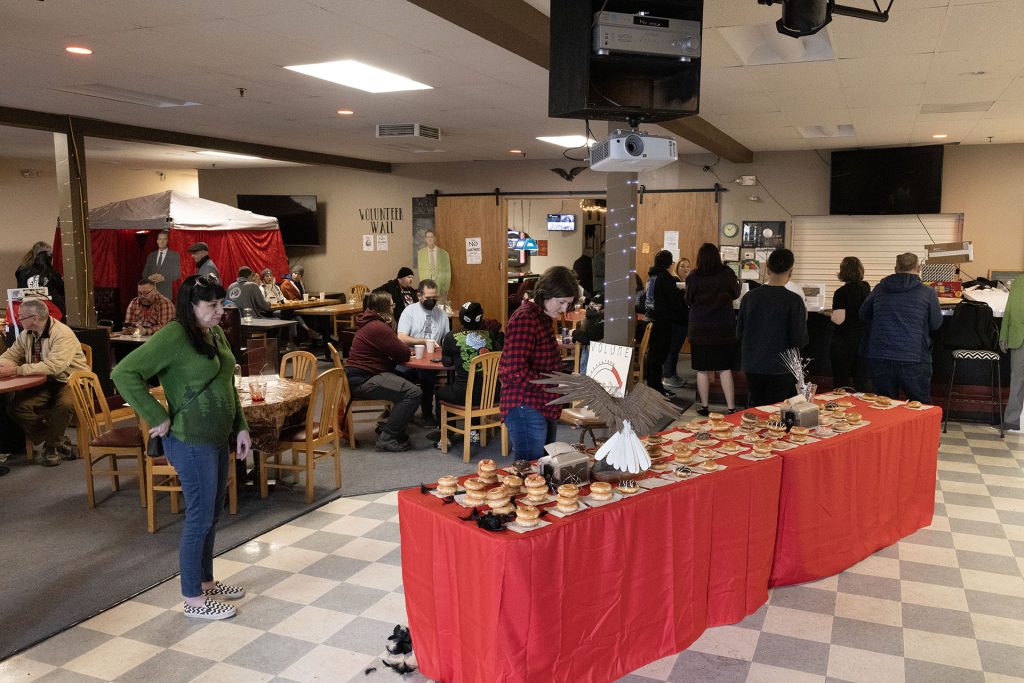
193, 360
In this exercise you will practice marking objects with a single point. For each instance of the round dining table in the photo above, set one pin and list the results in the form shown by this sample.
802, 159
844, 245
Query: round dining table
284, 399
430, 361
17, 383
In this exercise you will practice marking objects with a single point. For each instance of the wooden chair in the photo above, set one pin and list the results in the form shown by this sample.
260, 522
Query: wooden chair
99, 439
641, 354
358, 292
483, 416
303, 366
162, 477
357, 410
307, 441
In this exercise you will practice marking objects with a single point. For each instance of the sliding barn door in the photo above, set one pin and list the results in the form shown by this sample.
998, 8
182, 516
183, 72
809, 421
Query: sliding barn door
693, 214
480, 218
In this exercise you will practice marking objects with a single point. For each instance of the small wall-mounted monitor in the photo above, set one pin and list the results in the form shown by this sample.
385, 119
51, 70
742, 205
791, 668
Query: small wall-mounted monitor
561, 222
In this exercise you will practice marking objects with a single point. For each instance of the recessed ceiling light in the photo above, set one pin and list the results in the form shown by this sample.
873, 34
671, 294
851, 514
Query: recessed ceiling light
567, 141
358, 75
940, 136
226, 155
76, 50
345, 112
515, 151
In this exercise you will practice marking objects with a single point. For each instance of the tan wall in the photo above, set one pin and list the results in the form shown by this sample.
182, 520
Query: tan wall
986, 184
30, 204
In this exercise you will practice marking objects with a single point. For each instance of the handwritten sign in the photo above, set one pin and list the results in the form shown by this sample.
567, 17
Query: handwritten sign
474, 251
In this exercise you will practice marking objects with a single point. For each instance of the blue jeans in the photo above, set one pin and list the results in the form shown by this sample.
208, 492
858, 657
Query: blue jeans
529, 431
889, 376
675, 346
584, 357
203, 473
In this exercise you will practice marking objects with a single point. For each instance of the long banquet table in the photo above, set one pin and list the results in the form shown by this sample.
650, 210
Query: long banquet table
603, 592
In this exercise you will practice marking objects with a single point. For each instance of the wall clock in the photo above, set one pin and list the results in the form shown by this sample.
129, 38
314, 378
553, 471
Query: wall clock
730, 230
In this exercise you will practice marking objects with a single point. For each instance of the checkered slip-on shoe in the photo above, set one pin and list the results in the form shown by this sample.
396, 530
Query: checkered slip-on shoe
222, 590
211, 609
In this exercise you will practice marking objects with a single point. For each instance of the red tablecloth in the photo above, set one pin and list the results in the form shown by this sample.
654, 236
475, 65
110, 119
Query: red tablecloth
593, 596
844, 498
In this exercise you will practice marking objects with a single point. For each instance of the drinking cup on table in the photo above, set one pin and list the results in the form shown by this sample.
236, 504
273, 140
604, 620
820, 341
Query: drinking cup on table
323, 295
258, 390
418, 349
305, 297
430, 345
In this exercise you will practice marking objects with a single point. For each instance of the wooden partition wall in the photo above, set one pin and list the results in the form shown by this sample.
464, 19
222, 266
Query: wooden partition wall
459, 218
693, 214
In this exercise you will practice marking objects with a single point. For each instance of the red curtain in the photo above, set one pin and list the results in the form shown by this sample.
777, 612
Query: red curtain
118, 256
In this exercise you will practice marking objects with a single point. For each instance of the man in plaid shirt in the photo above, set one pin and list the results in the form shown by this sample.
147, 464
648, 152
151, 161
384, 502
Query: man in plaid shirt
149, 311
530, 351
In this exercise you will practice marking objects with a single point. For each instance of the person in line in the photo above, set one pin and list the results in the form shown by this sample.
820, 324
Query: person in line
149, 311
584, 269
901, 312
664, 309
1011, 339
670, 376
48, 347
458, 349
376, 352
849, 368
292, 286
245, 293
28, 261
531, 351
433, 263
200, 252
590, 330
268, 286
193, 360
422, 322
710, 290
163, 265
401, 290
597, 268
772, 319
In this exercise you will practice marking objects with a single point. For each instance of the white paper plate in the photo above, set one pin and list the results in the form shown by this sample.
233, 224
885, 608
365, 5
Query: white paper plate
752, 458
656, 482
590, 502
558, 513
514, 526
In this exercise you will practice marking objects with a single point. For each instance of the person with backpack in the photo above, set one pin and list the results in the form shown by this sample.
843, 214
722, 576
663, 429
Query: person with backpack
901, 313
1011, 339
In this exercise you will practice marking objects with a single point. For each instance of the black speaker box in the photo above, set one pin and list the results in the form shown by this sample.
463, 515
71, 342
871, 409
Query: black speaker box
618, 86
99, 339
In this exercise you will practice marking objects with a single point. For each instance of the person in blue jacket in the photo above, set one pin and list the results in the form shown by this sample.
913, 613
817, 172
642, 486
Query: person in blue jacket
901, 313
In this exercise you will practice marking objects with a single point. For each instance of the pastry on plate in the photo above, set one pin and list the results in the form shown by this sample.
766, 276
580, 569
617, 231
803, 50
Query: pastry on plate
600, 490
798, 434
527, 515
916, 405
853, 418
447, 485
628, 487
708, 465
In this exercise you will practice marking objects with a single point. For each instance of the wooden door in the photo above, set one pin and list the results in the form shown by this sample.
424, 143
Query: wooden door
458, 219
693, 214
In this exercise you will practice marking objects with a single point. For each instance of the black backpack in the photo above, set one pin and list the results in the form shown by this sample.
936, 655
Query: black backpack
972, 328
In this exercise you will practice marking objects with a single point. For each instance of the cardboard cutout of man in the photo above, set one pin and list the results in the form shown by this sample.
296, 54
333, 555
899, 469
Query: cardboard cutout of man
163, 265
433, 263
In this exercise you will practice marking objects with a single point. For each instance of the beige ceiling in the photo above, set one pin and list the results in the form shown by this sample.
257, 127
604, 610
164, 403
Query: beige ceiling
932, 56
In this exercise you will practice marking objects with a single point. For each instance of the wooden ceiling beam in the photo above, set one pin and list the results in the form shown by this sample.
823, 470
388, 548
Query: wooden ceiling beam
525, 31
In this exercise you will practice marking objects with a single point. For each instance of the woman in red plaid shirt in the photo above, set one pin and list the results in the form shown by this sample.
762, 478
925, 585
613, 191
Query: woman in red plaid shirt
530, 351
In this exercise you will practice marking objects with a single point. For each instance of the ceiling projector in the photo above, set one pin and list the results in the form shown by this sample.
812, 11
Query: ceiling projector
631, 151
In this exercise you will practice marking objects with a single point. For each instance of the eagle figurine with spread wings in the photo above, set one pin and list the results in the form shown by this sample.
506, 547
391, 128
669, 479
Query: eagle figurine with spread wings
642, 410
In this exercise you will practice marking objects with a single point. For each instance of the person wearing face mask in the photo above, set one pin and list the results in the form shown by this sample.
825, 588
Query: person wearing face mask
149, 311
193, 360
419, 323
531, 351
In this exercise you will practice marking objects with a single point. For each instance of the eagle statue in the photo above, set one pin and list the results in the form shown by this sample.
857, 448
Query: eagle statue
641, 410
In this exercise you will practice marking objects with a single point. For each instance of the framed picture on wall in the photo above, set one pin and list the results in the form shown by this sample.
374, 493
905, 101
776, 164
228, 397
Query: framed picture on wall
765, 234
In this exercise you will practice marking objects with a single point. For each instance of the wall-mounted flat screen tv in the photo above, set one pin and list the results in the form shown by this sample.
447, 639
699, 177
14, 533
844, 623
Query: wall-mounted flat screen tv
561, 222
295, 213
887, 181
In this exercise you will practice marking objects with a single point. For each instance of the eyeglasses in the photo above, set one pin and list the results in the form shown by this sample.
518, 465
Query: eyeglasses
206, 281
28, 317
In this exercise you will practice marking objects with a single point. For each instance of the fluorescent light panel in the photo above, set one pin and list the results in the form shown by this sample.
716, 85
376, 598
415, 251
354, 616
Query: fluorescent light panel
353, 74
567, 141
225, 155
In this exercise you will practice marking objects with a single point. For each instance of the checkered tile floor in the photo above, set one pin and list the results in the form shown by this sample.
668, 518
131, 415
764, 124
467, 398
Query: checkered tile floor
945, 604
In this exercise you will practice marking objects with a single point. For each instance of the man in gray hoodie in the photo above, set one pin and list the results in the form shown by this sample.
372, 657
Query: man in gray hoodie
245, 293
901, 312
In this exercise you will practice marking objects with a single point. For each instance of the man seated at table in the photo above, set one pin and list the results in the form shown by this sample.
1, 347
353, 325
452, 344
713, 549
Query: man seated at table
45, 347
246, 294
291, 284
271, 292
401, 290
376, 352
419, 323
149, 311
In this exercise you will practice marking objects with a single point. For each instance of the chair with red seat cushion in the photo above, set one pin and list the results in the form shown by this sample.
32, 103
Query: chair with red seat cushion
98, 439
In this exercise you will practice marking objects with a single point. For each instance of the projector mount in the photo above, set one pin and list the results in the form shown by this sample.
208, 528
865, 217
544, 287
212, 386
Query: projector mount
807, 17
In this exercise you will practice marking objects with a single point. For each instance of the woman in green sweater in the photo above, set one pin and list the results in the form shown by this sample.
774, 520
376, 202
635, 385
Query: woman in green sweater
1011, 340
193, 360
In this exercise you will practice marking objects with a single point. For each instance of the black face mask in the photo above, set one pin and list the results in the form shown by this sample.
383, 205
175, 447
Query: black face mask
429, 304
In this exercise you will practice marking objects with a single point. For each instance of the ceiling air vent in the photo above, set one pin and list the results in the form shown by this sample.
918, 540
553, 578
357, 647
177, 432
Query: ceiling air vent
408, 131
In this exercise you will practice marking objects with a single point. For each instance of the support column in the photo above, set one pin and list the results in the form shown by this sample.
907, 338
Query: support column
72, 201
620, 259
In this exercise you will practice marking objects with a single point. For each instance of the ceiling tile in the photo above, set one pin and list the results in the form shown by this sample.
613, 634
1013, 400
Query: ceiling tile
906, 33
868, 71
